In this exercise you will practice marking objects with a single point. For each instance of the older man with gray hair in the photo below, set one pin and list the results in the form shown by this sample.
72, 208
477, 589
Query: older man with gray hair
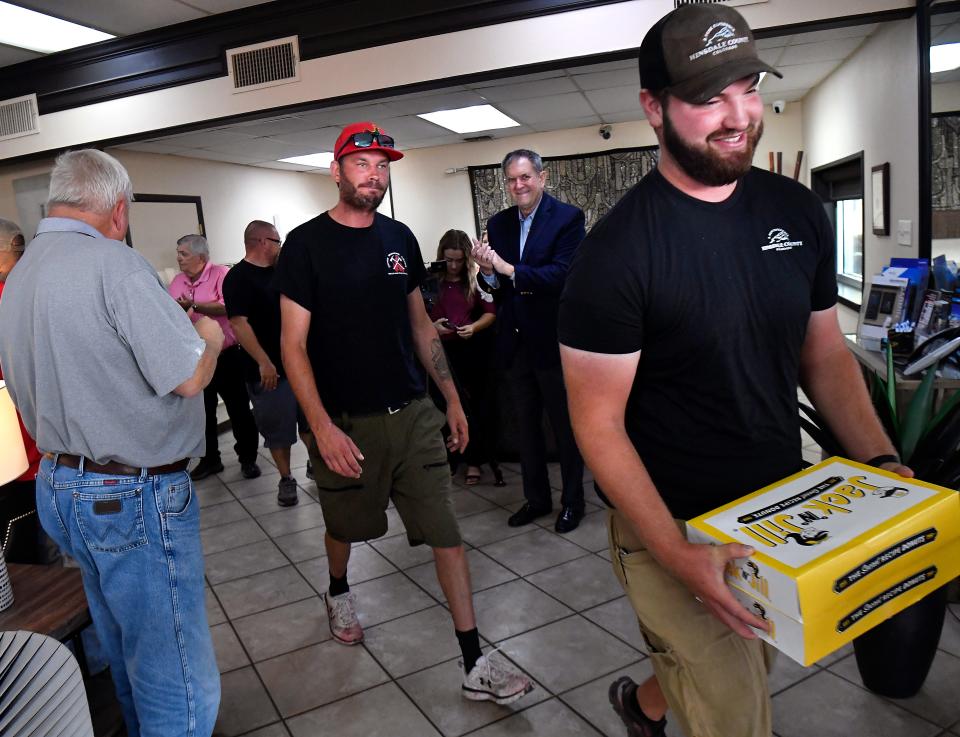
198, 289
11, 247
107, 371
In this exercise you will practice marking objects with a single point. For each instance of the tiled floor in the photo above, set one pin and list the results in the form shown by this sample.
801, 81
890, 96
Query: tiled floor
550, 602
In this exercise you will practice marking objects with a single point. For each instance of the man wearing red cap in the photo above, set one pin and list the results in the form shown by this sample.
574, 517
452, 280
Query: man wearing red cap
691, 313
354, 327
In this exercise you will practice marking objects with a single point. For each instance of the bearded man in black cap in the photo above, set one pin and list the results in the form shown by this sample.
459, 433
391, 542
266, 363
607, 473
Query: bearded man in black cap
691, 314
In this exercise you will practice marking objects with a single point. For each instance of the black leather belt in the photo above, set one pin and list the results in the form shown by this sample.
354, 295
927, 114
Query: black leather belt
119, 469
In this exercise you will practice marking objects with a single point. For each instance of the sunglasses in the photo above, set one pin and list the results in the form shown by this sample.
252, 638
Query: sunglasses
366, 139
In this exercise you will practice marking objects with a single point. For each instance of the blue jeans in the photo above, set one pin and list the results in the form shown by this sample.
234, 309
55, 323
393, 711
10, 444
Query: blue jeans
137, 541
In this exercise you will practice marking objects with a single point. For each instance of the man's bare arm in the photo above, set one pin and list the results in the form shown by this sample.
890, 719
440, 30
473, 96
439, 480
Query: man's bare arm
212, 336
248, 341
831, 377
429, 348
338, 451
598, 386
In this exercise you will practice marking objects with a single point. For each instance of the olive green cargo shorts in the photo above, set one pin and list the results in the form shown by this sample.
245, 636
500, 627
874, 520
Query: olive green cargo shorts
715, 681
404, 460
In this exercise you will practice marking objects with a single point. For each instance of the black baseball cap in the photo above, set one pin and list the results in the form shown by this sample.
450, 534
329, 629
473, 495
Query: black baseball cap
696, 51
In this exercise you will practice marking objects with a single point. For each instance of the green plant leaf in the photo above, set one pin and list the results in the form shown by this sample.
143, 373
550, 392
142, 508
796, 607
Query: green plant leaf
891, 387
945, 409
917, 415
878, 395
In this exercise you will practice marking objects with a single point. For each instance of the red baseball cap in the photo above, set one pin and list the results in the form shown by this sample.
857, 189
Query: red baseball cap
365, 137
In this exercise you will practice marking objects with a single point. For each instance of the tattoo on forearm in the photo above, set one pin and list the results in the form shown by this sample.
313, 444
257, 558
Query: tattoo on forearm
439, 359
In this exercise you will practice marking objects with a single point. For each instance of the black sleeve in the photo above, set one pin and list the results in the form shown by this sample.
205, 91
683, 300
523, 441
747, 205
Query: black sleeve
602, 305
823, 294
235, 298
294, 275
416, 271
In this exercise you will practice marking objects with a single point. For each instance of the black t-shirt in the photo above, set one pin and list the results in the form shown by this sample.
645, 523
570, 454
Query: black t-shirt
717, 297
355, 282
248, 292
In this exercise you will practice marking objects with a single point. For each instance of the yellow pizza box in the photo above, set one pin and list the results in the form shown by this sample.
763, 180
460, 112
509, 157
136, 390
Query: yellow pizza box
831, 535
826, 631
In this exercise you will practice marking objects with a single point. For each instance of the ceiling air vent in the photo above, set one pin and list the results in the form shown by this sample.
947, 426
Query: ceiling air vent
264, 65
18, 117
678, 3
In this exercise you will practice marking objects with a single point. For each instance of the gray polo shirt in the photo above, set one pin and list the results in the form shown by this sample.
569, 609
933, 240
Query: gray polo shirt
92, 347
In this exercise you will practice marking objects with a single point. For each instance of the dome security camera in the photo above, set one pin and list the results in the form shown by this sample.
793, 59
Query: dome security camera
779, 106
606, 131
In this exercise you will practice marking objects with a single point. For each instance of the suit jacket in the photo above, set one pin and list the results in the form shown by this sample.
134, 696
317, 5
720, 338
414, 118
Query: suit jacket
527, 305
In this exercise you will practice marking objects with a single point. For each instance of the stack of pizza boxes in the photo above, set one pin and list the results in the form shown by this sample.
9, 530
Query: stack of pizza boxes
840, 547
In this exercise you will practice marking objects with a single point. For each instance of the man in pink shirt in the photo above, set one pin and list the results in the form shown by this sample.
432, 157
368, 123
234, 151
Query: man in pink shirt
198, 288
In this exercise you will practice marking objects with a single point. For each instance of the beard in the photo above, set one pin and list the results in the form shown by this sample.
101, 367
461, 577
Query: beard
367, 202
710, 167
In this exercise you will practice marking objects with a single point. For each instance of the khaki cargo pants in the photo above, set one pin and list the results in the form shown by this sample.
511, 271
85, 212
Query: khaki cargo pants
715, 681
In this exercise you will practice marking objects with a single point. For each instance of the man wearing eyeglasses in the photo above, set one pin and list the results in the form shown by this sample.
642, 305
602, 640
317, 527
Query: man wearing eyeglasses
253, 306
354, 329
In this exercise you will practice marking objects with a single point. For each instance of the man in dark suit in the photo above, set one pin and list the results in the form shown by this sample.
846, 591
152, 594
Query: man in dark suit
524, 266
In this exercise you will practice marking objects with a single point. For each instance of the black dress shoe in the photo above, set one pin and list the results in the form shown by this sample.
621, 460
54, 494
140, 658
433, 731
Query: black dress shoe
526, 514
250, 470
206, 468
568, 519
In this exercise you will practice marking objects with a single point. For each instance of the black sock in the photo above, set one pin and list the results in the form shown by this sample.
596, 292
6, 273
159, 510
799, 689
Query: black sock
338, 585
470, 647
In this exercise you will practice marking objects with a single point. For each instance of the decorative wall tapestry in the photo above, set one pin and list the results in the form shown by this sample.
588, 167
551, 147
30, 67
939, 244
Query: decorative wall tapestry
593, 182
945, 174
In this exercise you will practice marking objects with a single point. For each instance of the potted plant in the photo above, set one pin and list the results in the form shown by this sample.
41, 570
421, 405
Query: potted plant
894, 657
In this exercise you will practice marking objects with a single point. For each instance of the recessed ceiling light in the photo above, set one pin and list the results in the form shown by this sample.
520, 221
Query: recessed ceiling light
470, 119
321, 160
944, 57
28, 29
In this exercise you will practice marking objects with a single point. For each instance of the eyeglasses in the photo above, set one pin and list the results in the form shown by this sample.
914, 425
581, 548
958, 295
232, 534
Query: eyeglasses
365, 139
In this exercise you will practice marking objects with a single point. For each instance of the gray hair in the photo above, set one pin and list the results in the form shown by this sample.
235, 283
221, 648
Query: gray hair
88, 180
523, 153
197, 244
9, 230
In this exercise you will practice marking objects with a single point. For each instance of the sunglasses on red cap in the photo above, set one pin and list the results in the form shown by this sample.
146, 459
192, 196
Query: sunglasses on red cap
365, 139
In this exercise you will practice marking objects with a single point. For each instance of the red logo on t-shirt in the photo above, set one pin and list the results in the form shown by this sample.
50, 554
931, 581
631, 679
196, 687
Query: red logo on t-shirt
396, 264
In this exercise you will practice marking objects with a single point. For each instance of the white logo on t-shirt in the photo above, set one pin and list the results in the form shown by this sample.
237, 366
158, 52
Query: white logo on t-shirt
779, 240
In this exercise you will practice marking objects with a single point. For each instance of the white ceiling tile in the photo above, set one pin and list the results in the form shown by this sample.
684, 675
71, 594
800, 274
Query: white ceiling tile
571, 105
207, 139
828, 35
605, 80
627, 116
411, 128
943, 19
770, 43
275, 126
507, 79
218, 156
153, 147
834, 50
222, 6
14, 55
615, 99
285, 165
607, 66
786, 95
799, 76
262, 149
318, 139
525, 90
429, 142
557, 125
946, 35
429, 104
345, 115
771, 56
119, 17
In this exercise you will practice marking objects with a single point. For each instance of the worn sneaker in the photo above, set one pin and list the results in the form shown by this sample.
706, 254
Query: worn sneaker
342, 613
494, 679
206, 468
310, 471
287, 492
637, 723
250, 470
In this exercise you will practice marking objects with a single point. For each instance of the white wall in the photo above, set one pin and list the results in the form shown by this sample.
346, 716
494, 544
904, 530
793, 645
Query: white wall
231, 195
431, 202
870, 104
